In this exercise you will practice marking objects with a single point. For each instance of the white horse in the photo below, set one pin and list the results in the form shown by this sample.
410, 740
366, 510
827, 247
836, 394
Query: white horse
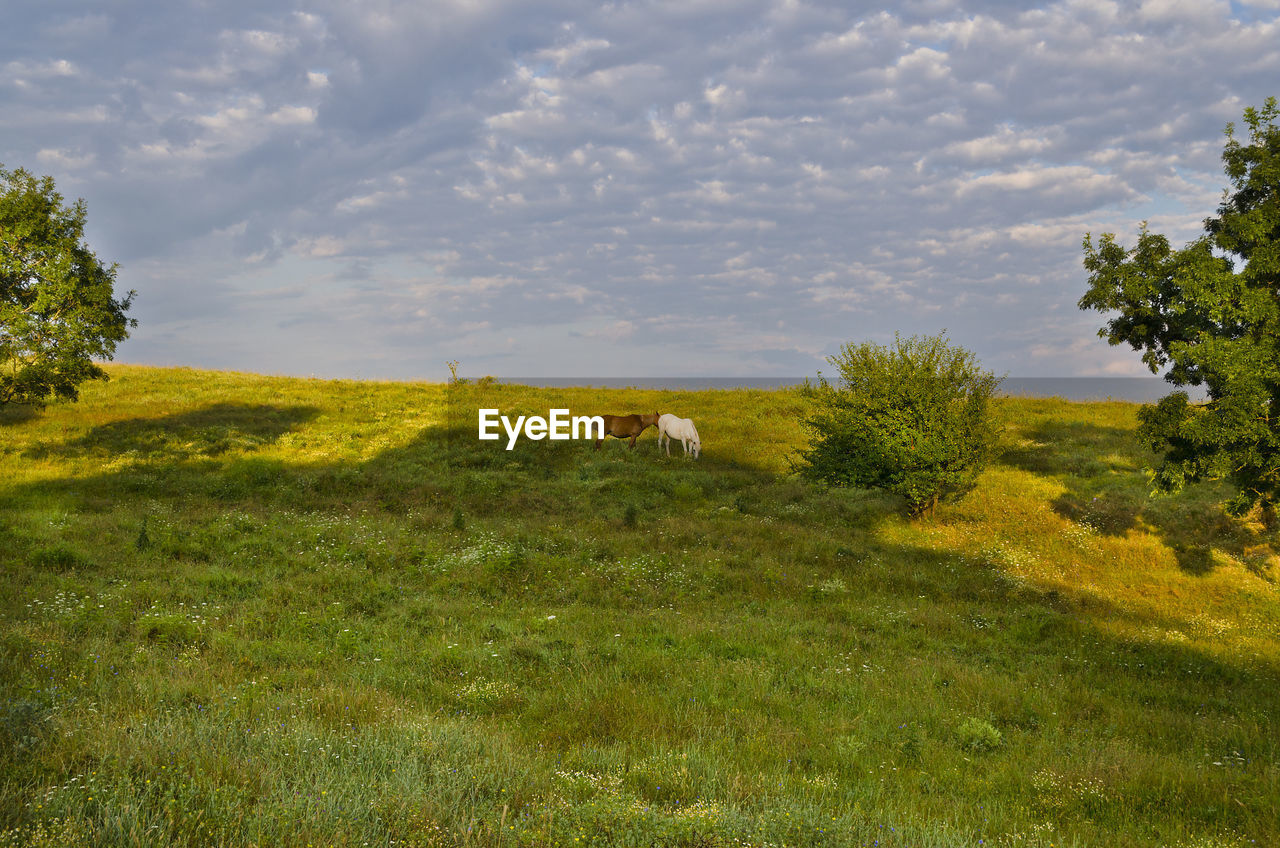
671, 427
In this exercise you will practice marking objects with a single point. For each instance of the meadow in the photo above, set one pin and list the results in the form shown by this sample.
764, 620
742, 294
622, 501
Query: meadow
248, 610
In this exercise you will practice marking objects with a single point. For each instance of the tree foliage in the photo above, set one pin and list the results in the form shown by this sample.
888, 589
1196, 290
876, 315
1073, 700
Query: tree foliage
913, 418
58, 312
1209, 314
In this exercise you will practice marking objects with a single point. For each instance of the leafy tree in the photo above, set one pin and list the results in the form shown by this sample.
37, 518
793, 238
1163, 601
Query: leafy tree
57, 309
914, 419
1210, 314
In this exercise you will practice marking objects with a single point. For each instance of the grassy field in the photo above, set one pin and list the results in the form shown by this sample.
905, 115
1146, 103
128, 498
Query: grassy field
244, 610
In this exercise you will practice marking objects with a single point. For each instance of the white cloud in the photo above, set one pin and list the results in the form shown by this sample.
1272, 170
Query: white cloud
1076, 185
40, 70
566, 54
321, 247
792, 175
64, 160
1006, 142
1184, 11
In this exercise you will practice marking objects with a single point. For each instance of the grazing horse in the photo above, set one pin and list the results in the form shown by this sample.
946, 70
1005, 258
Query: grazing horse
671, 427
626, 426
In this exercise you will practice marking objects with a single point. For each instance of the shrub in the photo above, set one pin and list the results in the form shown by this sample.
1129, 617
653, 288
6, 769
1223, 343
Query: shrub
974, 734
914, 419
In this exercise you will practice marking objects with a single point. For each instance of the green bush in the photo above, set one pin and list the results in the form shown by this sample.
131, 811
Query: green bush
914, 419
974, 734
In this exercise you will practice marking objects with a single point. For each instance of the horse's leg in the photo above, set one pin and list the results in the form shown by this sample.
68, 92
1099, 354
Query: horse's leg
598, 441
633, 441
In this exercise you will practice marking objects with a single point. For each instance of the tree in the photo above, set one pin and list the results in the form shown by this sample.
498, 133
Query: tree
58, 312
914, 419
1210, 314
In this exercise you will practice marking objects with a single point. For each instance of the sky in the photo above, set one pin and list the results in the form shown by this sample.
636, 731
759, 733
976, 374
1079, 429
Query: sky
371, 188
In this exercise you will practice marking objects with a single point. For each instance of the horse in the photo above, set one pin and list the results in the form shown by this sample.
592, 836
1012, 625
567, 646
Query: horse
626, 426
670, 427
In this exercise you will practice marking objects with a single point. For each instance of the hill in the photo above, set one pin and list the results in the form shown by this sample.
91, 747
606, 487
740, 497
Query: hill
246, 610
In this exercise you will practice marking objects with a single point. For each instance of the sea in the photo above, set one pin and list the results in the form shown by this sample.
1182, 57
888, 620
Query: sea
1131, 389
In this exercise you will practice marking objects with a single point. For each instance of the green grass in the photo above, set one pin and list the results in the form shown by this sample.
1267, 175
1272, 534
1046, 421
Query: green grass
242, 610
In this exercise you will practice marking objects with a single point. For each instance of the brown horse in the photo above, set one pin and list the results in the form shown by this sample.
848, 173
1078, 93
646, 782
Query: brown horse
626, 426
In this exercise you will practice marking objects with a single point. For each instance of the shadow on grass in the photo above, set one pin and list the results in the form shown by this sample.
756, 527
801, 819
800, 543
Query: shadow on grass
1040, 666
179, 456
209, 431
1135, 673
1104, 471
447, 471
443, 473
11, 414
449, 468
983, 630
1076, 448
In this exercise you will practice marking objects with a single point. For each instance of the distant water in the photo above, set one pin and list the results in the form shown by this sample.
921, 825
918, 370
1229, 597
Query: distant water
675, 384
1134, 389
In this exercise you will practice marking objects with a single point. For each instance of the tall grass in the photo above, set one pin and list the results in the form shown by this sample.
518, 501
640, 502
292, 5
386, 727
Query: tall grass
243, 610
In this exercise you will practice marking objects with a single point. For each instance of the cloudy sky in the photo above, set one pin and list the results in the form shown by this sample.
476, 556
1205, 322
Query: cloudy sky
679, 187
